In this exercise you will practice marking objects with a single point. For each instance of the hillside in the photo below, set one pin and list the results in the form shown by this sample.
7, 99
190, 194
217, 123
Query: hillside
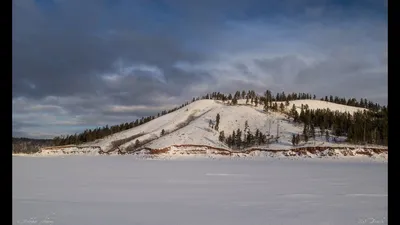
190, 125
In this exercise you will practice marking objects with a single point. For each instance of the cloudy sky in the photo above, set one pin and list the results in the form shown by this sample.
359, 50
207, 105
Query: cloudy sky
83, 64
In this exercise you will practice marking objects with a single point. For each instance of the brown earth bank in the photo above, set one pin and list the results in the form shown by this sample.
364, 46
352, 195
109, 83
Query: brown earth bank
68, 146
209, 150
303, 151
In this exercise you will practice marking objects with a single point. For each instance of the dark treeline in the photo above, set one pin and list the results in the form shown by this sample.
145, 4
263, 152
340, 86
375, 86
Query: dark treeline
254, 98
268, 100
28, 145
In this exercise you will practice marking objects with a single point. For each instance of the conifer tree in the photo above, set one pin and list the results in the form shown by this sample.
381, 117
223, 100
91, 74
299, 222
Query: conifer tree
246, 126
302, 114
312, 130
294, 140
322, 129
217, 122
238, 138
137, 143
266, 107
221, 136
296, 117
275, 107
305, 133
228, 141
233, 138
293, 110
297, 139
327, 136
287, 103
249, 138
257, 136
282, 107
234, 101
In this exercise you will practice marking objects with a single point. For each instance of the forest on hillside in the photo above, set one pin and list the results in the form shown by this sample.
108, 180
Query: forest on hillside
367, 127
370, 126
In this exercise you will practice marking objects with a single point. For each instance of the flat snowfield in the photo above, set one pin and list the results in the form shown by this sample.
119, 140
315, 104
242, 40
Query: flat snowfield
122, 190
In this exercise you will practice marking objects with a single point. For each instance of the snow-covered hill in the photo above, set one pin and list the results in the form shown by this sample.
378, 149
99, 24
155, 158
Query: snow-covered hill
190, 126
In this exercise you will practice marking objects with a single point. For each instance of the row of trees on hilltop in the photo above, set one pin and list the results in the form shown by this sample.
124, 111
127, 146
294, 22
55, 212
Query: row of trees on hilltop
252, 98
363, 103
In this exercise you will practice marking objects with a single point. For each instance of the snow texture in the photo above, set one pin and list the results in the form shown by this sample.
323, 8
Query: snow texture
121, 190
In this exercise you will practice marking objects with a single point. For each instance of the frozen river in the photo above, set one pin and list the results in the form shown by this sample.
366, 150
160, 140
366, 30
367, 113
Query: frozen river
119, 190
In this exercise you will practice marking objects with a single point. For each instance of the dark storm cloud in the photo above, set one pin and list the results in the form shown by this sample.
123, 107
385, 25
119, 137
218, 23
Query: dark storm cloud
64, 51
80, 64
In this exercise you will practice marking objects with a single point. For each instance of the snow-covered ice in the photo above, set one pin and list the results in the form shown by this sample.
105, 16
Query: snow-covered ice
123, 190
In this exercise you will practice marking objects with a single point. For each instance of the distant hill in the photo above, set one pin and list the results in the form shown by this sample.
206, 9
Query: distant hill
28, 145
235, 123
241, 127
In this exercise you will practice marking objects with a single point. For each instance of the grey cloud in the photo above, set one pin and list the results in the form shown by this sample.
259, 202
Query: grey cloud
25, 108
61, 55
281, 68
244, 70
65, 62
139, 90
137, 113
347, 72
328, 71
370, 85
17, 125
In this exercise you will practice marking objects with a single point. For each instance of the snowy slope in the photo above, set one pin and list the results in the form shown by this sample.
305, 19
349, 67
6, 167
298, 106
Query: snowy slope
232, 118
190, 126
153, 128
318, 104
